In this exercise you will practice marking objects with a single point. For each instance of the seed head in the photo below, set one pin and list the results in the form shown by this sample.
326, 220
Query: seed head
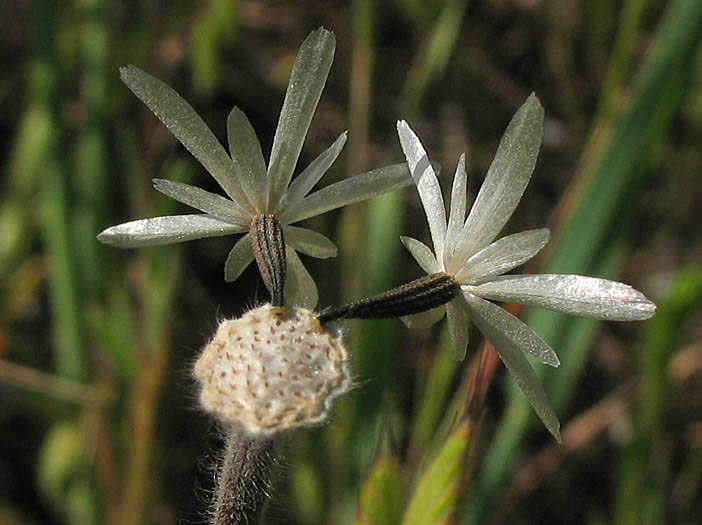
273, 369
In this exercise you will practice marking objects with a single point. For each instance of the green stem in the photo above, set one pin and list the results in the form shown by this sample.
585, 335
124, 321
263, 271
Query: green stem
54, 213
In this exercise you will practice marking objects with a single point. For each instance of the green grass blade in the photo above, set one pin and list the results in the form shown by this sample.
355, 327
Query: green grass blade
27, 158
54, 208
88, 174
433, 62
374, 342
162, 277
639, 482
216, 27
433, 397
382, 494
436, 496
663, 80
61, 472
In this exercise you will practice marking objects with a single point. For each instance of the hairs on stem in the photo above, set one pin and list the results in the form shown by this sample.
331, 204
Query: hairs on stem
244, 479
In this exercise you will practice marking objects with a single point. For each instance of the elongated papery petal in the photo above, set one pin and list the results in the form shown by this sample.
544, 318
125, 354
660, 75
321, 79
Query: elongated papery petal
422, 254
220, 207
245, 151
457, 327
306, 180
427, 185
239, 258
457, 215
300, 289
424, 319
509, 348
354, 189
506, 179
309, 74
309, 242
502, 255
572, 294
166, 230
187, 126
512, 328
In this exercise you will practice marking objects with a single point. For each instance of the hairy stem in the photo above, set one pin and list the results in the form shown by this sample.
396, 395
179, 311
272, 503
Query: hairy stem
244, 479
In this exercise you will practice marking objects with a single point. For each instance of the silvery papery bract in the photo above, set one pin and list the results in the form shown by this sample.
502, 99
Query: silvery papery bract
252, 189
466, 249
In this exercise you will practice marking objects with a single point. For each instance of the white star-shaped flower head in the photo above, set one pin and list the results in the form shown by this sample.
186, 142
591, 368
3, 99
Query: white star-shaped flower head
465, 248
253, 189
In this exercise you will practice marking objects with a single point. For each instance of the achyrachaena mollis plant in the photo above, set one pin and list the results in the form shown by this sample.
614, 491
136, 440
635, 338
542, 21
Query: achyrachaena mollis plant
280, 365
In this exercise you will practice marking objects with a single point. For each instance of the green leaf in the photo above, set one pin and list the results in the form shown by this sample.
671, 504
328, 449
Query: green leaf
216, 30
436, 496
638, 485
60, 462
382, 494
432, 399
431, 64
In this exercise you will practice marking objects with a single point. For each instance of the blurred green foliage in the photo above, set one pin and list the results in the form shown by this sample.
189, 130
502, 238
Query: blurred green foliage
96, 401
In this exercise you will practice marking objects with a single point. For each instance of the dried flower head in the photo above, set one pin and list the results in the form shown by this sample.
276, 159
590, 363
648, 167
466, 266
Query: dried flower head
271, 370
253, 189
466, 250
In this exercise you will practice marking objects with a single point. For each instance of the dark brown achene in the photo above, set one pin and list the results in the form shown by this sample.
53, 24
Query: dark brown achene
269, 251
414, 297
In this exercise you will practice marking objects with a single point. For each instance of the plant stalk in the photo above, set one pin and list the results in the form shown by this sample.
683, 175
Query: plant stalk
244, 479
